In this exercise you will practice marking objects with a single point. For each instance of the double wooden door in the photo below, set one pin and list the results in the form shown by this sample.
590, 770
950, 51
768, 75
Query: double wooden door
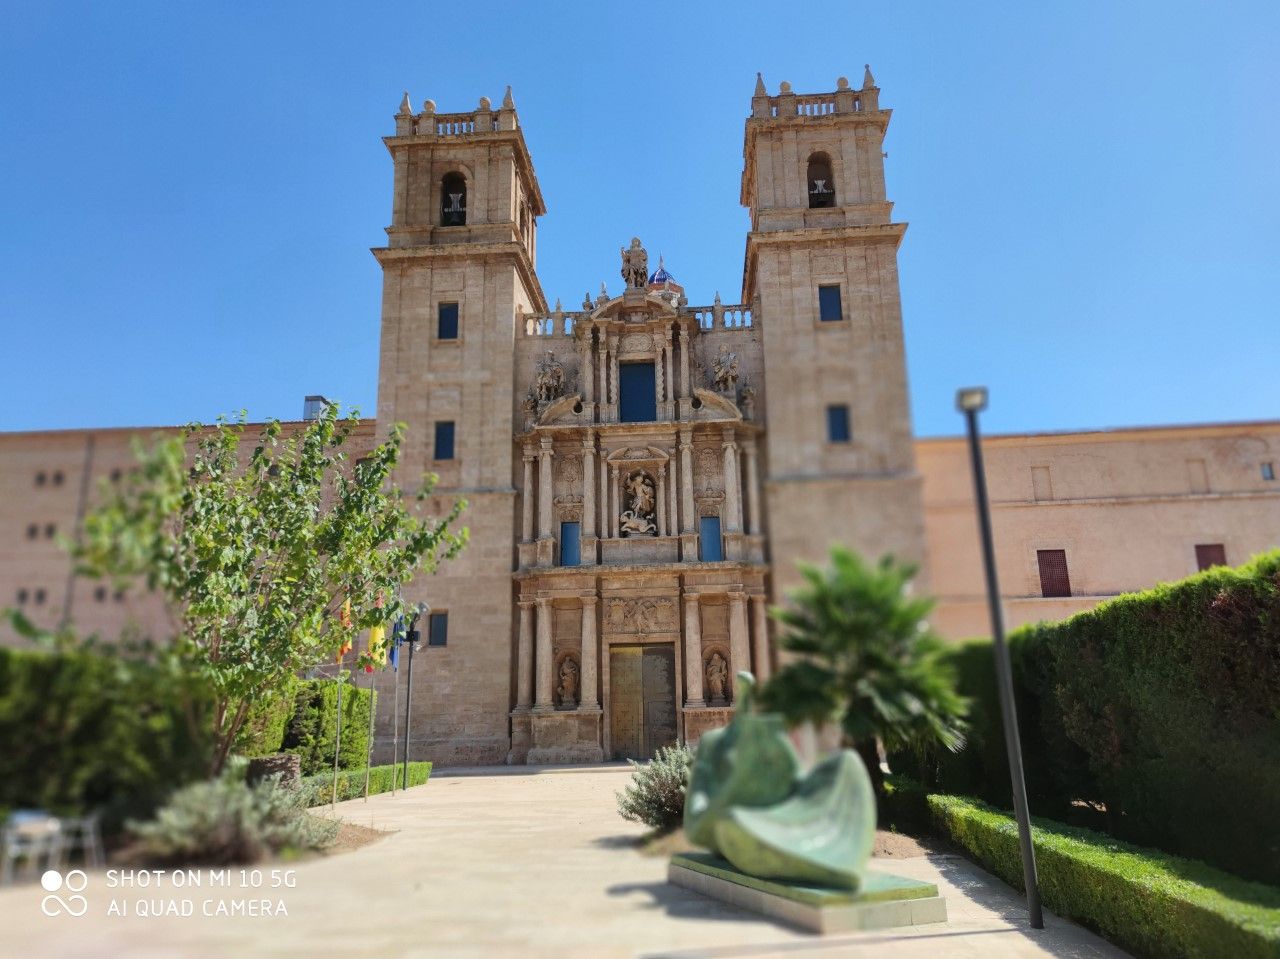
642, 699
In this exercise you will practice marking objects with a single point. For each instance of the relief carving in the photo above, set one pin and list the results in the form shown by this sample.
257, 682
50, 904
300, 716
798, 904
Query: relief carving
725, 371
549, 381
641, 616
638, 517
636, 343
707, 471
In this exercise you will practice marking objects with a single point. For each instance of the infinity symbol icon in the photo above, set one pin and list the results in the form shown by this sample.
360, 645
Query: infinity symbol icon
75, 881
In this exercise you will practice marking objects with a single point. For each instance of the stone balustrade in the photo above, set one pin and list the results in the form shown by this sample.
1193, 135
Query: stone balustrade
560, 323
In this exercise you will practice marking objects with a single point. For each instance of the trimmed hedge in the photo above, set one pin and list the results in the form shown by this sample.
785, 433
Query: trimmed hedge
318, 789
268, 718
310, 731
1149, 902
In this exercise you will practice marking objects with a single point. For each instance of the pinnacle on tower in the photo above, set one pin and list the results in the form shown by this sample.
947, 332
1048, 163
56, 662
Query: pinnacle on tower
868, 81
760, 89
405, 108
508, 103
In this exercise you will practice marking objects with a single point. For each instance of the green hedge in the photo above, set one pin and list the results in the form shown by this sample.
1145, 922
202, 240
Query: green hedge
319, 788
1155, 716
1151, 903
94, 730
311, 730
267, 721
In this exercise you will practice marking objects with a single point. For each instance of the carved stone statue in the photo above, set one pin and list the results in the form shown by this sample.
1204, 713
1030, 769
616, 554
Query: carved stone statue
549, 380
725, 370
638, 517
717, 676
568, 688
635, 265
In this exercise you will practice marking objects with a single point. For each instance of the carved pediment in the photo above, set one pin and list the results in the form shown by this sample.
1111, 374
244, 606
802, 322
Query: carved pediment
561, 411
715, 407
637, 455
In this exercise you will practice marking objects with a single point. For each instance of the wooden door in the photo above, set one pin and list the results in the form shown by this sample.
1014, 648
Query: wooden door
642, 700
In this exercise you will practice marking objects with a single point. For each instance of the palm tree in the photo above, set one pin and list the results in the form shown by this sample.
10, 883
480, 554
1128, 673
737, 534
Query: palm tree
865, 659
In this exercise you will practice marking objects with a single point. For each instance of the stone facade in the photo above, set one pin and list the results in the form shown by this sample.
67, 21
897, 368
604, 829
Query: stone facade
642, 475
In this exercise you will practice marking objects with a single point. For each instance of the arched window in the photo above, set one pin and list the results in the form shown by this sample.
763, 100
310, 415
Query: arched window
453, 200
822, 188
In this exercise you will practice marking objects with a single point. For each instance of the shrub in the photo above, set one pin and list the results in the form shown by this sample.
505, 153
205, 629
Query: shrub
268, 718
225, 820
310, 731
655, 794
1149, 902
318, 790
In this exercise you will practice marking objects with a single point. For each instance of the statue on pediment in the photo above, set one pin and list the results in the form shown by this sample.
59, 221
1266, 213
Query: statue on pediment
635, 265
725, 371
549, 380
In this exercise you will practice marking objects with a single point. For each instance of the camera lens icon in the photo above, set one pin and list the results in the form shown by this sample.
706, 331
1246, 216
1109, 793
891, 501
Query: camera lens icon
74, 882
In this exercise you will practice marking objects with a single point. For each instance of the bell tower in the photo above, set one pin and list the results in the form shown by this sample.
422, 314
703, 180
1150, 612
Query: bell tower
821, 269
458, 268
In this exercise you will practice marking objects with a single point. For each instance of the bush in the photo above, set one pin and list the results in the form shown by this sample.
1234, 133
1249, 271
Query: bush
267, 720
655, 794
310, 731
1152, 903
318, 790
904, 807
225, 821
114, 729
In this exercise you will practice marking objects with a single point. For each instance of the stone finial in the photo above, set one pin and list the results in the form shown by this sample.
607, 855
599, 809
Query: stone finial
842, 83
868, 81
784, 88
717, 300
586, 301
485, 104
760, 90
558, 309
604, 290
405, 108
508, 102
428, 106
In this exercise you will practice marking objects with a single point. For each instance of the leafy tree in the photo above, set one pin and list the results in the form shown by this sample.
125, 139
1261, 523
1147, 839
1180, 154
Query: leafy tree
270, 561
865, 660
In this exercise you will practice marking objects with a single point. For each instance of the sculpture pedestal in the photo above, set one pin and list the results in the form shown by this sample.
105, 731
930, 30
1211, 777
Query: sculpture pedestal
884, 902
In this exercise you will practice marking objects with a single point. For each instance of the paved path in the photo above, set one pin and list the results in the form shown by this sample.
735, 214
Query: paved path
498, 863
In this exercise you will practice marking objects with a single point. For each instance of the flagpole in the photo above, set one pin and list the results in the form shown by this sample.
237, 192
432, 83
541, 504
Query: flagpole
337, 736
368, 752
395, 707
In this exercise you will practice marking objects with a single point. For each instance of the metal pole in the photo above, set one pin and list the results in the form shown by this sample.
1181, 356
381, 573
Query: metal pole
337, 738
1004, 678
395, 719
408, 699
368, 747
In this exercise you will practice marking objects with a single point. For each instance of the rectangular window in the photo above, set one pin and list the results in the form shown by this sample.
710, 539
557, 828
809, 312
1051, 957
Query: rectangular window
838, 424
1041, 483
829, 304
444, 440
570, 544
1054, 580
447, 322
1268, 471
438, 629
710, 547
639, 388
1210, 554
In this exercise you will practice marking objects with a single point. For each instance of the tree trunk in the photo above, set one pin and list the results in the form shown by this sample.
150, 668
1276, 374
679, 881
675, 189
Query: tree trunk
866, 748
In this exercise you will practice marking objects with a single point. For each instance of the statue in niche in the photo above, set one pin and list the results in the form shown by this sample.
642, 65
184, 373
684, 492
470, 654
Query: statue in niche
725, 369
747, 401
549, 380
717, 677
638, 517
567, 691
635, 265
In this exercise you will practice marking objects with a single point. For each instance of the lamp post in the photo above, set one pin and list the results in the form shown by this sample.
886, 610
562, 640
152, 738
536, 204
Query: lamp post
971, 401
412, 638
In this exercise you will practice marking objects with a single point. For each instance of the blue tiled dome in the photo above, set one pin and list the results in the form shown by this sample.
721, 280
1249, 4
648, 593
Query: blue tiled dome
660, 275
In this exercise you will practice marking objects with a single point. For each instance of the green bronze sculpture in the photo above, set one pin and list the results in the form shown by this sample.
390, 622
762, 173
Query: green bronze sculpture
748, 802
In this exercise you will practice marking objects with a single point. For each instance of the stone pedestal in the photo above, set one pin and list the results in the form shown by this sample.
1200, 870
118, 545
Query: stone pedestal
521, 737
565, 736
735, 547
546, 552
688, 547
701, 719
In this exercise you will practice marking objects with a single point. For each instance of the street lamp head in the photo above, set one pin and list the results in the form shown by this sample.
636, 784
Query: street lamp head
971, 399
422, 609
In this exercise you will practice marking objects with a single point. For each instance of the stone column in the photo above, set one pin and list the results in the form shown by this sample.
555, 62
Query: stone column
543, 700
613, 369
613, 497
589, 486
526, 528
688, 524
684, 362
753, 487
739, 642
669, 357
673, 526
587, 696
732, 497
587, 374
692, 651
660, 495
544, 490
659, 372
602, 360
524, 657
604, 496
760, 613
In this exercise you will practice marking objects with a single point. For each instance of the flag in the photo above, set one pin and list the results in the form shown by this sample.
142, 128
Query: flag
397, 637
377, 646
344, 620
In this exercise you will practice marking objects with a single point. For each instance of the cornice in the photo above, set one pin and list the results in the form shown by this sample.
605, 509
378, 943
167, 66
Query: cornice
386, 255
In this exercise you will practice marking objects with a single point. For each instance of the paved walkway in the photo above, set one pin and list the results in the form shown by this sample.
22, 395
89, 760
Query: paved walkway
498, 863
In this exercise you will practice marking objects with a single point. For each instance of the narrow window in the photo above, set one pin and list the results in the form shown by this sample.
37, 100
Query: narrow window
570, 544
822, 192
438, 629
1041, 483
49, 530
829, 304
1268, 471
1210, 554
444, 440
710, 547
100, 594
838, 424
33, 531
1054, 580
115, 476
39, 597
57, 478
22, 597
447, 322
453, 200
40, 479
639, 388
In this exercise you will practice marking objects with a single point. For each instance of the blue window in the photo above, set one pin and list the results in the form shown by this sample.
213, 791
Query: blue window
444, 440
829, 303
838, 424
447, 322
710, 548
639, 388
570, 544
438, 629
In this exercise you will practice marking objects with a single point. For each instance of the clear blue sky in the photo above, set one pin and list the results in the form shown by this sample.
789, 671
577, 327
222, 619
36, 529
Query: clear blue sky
188, 192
